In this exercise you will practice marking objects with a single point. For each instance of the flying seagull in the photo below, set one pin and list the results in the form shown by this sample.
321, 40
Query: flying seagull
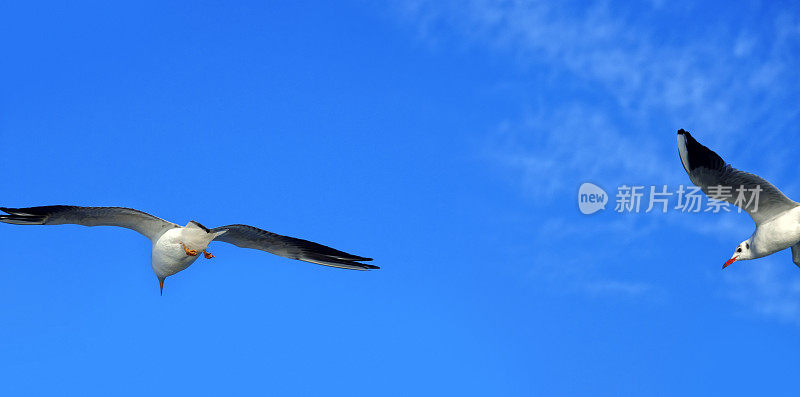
176, 247
776, 216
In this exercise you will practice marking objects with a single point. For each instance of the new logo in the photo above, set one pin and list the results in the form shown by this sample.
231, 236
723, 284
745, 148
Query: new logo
591, 198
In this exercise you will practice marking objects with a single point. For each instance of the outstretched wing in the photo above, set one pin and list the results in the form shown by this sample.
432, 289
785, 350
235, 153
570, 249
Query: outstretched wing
289, 247
708, 171
148, 225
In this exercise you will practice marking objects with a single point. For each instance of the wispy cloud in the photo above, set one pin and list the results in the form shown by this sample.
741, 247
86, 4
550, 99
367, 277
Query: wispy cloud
554, 150
616, 287
639, 73
706, 79
769, 287
578, 273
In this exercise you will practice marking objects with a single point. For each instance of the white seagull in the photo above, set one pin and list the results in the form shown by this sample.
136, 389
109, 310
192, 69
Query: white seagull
176, 247
776, 216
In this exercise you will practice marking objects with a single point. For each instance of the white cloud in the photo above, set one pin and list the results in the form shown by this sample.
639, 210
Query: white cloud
719, 85
616, 287
578, 273
735, 84
768, 287
721, 82
555, 150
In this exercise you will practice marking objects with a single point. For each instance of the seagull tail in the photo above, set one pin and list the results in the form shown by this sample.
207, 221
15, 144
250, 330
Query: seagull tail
16, 217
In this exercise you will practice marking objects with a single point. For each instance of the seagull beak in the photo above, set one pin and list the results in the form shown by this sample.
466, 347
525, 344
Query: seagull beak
730, 261
161, 285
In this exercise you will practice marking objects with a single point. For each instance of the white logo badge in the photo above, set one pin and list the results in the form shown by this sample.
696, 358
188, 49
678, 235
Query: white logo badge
591, 198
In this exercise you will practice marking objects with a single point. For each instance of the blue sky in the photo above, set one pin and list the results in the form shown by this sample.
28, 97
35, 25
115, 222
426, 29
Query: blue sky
447, 140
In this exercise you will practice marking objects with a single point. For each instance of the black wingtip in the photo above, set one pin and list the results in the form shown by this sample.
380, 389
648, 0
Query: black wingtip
21, 219
699, 155
356, 258
370, 267
40, 211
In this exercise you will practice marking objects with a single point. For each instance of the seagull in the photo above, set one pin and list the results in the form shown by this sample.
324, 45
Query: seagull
776, 216
176, 247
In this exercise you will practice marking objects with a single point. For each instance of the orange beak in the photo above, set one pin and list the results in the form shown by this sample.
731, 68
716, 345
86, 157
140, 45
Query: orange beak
161, 285
730, 261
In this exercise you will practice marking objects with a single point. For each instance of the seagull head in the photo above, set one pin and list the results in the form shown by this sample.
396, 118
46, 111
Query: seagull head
742, 252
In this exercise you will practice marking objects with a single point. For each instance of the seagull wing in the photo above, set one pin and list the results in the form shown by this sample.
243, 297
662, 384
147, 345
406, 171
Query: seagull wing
706, 169
148, 225
289, 247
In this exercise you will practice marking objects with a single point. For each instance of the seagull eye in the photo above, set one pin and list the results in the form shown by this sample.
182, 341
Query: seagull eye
747, 245
739, 249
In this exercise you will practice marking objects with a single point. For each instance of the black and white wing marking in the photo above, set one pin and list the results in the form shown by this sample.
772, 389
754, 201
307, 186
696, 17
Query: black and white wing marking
148, 225
708, 171
289, 247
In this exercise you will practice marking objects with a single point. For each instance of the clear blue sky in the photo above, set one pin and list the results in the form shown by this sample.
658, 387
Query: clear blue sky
447, 140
